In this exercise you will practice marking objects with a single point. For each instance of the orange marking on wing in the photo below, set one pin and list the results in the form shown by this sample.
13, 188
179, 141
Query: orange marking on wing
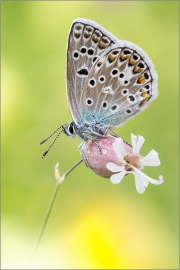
143, 102
102, 45
131, 62
123, 57
95, 39
137, 70
145, 95
141, 79
86, 35
111, 57
99, 64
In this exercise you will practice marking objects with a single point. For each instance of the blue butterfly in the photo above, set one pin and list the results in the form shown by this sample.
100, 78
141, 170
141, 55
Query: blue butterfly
108, 81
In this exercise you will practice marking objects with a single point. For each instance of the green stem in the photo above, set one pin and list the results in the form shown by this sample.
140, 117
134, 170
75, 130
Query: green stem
50, 207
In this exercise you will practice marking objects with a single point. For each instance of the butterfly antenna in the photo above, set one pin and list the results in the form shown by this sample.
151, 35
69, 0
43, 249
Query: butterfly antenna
62, 127
45, 153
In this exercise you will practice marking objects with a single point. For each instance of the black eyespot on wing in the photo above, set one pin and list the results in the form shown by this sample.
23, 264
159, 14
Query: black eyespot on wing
114, 107
83, 50
94, 59
146, 76
114, 71
92, 82
89, 101
83, 71
115, 52
128, 111
141, 65
76, 55
135, 57
104, 104
132, 98
102, 78
90, 52
126, 52
121, 75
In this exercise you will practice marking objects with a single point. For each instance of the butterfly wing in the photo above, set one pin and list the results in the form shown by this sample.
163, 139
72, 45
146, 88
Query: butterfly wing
87, 41
121, 83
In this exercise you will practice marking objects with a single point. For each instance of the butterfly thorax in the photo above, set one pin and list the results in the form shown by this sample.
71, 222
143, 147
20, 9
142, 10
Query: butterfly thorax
84, 131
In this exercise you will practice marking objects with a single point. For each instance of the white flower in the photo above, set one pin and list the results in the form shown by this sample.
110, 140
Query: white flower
133, 162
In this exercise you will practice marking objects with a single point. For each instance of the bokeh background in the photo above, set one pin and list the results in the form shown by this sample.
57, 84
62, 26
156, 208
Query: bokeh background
93, 223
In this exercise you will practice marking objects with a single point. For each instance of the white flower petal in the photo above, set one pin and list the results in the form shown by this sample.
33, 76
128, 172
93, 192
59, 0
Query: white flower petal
116, 178
140, 142
113, 167
151, 159
144, 178
139, 185
133, 142
119, 148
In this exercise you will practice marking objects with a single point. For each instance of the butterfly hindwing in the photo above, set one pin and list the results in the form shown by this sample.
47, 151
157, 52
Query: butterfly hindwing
121, 83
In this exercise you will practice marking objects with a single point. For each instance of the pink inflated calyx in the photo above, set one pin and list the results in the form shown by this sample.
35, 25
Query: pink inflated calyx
97, 154
111, 157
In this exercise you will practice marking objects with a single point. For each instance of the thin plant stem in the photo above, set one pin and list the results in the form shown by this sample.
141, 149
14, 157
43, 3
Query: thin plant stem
50, 207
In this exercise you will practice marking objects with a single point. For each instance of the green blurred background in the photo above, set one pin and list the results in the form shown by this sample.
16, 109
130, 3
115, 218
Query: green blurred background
93, 224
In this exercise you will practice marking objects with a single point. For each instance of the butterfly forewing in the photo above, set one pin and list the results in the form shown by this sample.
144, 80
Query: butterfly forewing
87, 41
121, 83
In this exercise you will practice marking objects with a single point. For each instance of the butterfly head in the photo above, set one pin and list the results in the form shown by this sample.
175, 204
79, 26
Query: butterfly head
69, 129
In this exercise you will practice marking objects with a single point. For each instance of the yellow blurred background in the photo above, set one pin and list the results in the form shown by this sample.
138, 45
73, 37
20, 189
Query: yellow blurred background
93, 224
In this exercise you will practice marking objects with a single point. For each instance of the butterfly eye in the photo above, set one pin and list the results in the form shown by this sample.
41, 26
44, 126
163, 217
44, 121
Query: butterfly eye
89, 101
71, 129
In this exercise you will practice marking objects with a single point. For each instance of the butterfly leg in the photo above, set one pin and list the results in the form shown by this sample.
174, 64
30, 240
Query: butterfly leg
97, 146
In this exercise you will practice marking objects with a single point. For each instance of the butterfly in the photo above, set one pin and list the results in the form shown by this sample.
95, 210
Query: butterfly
108, 81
